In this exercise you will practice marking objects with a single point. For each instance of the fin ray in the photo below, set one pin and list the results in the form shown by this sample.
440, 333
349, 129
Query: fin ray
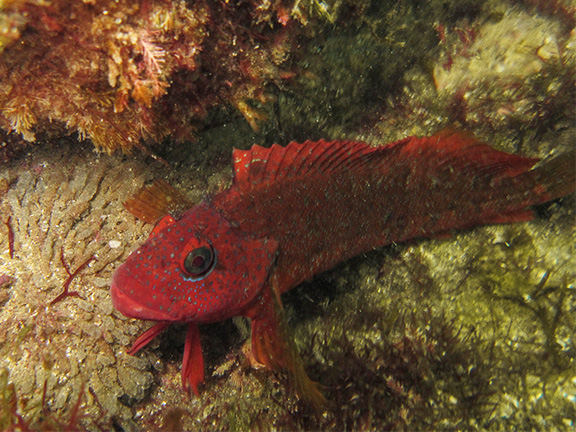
157, 200
260, 165
193, 361
147, 337
273, 347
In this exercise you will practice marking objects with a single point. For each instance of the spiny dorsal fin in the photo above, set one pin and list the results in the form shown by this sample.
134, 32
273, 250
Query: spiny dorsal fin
157, 200
449, 149
261, 165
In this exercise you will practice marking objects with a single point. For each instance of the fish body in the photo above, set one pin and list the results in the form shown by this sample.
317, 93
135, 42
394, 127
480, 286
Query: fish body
298, 210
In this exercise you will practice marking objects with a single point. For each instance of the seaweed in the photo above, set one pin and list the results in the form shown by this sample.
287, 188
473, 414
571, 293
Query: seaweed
124, 73
71, 276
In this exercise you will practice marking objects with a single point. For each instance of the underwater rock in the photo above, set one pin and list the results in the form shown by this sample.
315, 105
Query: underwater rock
511, 70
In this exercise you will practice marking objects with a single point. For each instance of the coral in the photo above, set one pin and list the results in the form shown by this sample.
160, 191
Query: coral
122, 72
10, 420
64, 210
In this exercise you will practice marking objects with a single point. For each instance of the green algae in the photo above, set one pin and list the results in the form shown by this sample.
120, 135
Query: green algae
481, 325
356, 62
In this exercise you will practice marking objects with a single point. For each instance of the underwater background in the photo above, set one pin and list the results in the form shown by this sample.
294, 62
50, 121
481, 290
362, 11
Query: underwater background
97, 98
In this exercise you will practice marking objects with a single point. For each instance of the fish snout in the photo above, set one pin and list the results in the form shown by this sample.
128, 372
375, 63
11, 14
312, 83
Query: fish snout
130, 299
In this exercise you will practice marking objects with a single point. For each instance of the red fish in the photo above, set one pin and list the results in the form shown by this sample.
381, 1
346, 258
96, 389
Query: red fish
298, 210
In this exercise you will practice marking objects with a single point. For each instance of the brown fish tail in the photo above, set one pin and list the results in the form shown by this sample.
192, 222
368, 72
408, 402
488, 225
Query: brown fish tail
554, 178
515, 193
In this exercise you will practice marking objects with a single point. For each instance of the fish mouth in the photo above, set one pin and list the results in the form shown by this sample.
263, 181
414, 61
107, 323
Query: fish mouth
132, 307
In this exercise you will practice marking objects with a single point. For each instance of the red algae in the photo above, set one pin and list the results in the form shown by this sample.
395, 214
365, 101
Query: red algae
71, 276
118, 72
8, 224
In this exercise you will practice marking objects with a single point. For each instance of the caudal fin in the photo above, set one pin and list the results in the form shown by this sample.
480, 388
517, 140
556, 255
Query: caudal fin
554, 178
546, 181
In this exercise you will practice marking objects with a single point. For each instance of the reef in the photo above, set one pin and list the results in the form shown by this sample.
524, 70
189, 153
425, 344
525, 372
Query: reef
125, 73
471, 332
510, 74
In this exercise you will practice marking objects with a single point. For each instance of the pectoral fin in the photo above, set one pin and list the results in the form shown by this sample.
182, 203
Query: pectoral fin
147, 337
274, 348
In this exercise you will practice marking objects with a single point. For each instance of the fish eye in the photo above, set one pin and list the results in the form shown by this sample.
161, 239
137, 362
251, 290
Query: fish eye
199, 261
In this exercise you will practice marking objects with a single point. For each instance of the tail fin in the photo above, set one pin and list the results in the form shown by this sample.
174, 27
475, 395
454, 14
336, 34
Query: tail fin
546, 181
481, 185
554, 178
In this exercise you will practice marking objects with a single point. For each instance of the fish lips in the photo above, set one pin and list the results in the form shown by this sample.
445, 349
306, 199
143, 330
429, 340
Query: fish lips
125, 299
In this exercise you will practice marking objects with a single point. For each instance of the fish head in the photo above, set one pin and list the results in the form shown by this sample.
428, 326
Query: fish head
198, 268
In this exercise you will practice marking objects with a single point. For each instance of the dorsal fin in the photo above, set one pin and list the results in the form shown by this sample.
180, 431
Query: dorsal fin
157, 200
450, 148
462, 151
261, 165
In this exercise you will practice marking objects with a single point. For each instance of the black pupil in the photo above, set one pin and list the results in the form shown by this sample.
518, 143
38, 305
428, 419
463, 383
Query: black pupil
198, 261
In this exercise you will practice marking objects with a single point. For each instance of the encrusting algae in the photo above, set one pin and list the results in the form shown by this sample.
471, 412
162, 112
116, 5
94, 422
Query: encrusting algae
473, 331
